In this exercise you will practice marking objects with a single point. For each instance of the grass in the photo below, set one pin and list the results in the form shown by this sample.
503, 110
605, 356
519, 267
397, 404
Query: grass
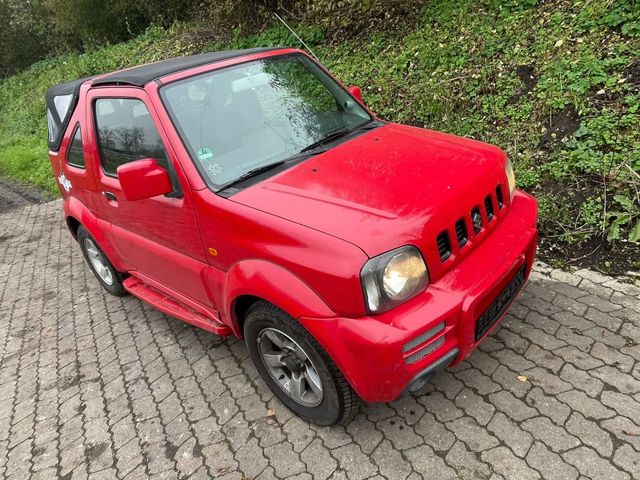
555, 84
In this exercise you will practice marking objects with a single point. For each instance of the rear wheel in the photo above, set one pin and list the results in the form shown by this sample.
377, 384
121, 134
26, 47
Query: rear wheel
296, 368
109, 277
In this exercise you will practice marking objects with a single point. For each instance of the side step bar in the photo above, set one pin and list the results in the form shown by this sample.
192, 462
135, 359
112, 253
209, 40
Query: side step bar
174, 307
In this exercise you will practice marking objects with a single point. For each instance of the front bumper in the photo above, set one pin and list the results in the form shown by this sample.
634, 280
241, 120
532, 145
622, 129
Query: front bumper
371, 351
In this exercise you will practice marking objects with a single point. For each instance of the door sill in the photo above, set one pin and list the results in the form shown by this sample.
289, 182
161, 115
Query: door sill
177, 306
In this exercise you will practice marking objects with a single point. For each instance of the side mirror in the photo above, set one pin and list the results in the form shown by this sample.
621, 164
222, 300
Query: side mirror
356, 92
143, 179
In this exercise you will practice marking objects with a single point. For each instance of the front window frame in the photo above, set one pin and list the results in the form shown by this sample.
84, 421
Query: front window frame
183, 137
94, 102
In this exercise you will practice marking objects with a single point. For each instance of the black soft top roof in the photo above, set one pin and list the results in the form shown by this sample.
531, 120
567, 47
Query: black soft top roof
140, 76
62, 99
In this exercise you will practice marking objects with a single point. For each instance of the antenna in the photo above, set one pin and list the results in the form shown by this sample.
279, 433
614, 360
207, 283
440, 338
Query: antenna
296, 35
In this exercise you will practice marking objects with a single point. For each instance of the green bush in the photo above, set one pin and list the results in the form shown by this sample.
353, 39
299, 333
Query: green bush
555, 84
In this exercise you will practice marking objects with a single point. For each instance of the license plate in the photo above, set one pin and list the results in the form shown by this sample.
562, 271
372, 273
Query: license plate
500, 304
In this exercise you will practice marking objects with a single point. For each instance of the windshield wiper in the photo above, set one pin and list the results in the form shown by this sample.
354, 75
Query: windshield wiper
340, 133
252, 173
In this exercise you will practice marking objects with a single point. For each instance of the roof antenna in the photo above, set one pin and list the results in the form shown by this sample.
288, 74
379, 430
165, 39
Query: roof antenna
296, 35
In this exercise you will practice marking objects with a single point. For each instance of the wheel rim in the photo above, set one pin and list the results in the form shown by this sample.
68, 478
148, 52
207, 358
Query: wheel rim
290, 367
98, 262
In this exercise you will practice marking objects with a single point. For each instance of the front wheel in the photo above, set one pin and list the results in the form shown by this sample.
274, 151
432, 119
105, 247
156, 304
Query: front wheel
107, 275
296, 368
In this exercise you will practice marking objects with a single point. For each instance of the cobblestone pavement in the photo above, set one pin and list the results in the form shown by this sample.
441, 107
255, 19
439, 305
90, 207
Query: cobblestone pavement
93, 386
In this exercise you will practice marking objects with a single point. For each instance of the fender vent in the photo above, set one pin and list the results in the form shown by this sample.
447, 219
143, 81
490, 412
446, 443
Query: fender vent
444, 246
461, 232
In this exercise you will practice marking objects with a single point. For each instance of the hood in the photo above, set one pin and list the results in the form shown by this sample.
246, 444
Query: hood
388, 187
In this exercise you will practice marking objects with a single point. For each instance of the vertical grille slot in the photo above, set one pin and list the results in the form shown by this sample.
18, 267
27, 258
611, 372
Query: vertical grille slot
476, 219
499, 197
488, 207
461, 232
444, 246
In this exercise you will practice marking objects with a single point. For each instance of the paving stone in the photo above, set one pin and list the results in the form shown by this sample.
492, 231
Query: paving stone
581, 380
351, 458
435, 433
589, 407
623, 404
426, 462
507, 464
93, 386
466, 463
390, 462
590, 434
624, 429
553, 436
622, 382
626, 458
549, 464
513, 407
548, 406
590, 464
510, 434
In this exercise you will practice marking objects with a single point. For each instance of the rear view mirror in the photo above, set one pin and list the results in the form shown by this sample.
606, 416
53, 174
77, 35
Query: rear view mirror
143, 179
356, 92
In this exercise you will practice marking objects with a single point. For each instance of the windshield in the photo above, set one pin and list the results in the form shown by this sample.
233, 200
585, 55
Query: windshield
239, 119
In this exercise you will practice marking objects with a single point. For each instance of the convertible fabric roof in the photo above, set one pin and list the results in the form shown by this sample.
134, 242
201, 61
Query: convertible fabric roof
62, 99
140, 76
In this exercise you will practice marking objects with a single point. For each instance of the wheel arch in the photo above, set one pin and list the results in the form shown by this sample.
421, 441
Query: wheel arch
76, 215
250, 281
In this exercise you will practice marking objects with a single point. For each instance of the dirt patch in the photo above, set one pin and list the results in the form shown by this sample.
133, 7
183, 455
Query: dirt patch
559, 127
15, 194
632, 73
527, 76
618, 258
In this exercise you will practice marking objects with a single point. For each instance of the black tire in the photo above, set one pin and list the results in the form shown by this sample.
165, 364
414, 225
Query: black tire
116, 288
339, 403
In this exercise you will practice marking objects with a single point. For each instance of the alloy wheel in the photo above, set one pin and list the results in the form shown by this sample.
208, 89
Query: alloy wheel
290, 367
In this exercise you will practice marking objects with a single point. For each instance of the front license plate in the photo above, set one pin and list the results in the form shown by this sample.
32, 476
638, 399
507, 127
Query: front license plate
500, 304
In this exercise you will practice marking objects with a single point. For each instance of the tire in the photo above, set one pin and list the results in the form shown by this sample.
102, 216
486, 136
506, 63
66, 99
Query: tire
337, 402
109, 278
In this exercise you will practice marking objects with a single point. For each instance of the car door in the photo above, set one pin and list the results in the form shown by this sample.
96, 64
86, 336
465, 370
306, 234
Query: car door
158, 236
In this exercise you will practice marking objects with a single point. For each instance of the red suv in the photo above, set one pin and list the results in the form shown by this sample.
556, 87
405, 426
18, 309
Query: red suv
250, 194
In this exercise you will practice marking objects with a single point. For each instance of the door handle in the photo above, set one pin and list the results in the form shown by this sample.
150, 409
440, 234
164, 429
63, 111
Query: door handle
110, 196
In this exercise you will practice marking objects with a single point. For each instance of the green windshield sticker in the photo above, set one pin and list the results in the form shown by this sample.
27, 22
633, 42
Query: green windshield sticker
205, 153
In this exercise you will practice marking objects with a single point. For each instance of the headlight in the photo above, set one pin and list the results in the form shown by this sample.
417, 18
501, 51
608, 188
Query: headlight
392, 278
511, 177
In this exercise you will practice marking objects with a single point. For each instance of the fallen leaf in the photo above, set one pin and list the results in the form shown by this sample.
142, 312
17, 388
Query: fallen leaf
271, 413
559, 43
522, 378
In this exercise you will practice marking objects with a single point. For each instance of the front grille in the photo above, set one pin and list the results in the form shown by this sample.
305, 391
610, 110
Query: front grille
488, 207
499, 197
485, 210
461, 232
444, 246
476, 220
500, 304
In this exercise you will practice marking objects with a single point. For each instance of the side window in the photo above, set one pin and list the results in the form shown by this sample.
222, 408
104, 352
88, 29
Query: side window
126, 132
75, 155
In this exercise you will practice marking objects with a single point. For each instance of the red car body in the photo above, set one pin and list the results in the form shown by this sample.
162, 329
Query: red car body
300, 238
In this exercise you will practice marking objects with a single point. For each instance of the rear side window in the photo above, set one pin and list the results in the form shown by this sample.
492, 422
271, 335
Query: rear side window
126, 132
75, 155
